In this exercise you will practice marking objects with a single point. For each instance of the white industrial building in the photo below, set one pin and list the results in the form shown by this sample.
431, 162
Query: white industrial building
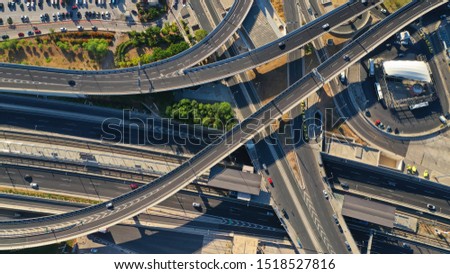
409, 70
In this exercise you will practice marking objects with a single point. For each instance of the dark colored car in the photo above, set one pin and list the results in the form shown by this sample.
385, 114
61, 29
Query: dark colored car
37, 31
71, 83
5, 36
282, 45
21, 34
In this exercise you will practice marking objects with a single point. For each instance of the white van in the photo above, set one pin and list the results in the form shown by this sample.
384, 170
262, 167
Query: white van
378, 91
326, 26
443, 119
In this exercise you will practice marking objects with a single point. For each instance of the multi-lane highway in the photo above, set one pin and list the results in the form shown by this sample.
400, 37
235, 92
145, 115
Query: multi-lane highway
34, 232
389, 185
19, 78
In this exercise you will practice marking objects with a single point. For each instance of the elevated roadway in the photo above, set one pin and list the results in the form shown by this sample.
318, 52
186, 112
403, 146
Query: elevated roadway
143, 79
46, 230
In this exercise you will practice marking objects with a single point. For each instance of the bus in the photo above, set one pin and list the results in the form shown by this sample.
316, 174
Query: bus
371, 67
378, 91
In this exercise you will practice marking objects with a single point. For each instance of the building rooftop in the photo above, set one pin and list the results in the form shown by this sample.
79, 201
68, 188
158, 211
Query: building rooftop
405, 69
235, 180
369, 211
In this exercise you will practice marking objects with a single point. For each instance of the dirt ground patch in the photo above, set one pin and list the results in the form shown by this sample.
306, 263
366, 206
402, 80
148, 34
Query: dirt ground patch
278, 6
270, 79
44, 52
337, 3
345, 130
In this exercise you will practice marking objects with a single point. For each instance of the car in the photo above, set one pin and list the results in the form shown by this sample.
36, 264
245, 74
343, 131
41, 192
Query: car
326, 26
401, 55
97, 14
347, 245
431, 207
110, 206
79, 15
94, 28
345, 185
443, 119
80, 28
325, 194
54, 16
71, 83
35, 28
86, 14
5, 36
282, 45
21, 34
107, 14
264, 166
37, 31
134, 12
94, 250
285, 214
389, 129
34, 186
377, 123
346, 57
426, 174
68, 15
270, 181
335, 218
342, 77
134, 186
196, 205
103, 14
63, 29
28, 178
443, 16
30, 33
384, 11
74, 7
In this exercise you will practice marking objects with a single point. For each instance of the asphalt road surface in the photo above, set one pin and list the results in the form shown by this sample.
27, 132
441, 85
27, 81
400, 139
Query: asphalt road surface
85, 221
16, 78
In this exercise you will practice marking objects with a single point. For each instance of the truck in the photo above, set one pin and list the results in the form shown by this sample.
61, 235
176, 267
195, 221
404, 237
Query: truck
378, 91
371, 67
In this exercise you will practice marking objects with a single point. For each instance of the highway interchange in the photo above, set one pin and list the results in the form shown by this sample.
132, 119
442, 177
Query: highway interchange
91, 219
137, 80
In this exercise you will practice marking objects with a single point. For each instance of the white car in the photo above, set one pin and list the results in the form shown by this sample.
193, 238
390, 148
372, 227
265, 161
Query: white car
384, 11
197, 205
110, 206
34, 185
80, 28
63, 29
325, 194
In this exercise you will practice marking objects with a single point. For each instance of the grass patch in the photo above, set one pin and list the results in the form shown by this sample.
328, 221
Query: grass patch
393, 5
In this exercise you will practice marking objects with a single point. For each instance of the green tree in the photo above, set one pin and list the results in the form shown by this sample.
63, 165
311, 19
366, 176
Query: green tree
200, 34
96, 47
9, 20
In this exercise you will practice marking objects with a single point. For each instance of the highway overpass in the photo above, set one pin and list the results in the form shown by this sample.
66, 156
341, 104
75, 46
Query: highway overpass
138, 80
46, 230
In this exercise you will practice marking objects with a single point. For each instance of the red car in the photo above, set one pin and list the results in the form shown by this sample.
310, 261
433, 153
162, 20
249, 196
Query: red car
74, 7
377, 122
270, 181
134, 186
37, 31
21, 34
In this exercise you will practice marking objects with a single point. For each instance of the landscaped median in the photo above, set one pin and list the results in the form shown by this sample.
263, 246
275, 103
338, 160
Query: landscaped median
47, 195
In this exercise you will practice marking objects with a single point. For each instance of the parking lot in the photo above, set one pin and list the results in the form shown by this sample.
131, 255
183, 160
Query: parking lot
44, 17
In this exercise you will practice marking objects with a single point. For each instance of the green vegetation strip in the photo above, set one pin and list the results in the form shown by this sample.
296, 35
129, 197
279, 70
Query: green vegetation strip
51, 196
217, 115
